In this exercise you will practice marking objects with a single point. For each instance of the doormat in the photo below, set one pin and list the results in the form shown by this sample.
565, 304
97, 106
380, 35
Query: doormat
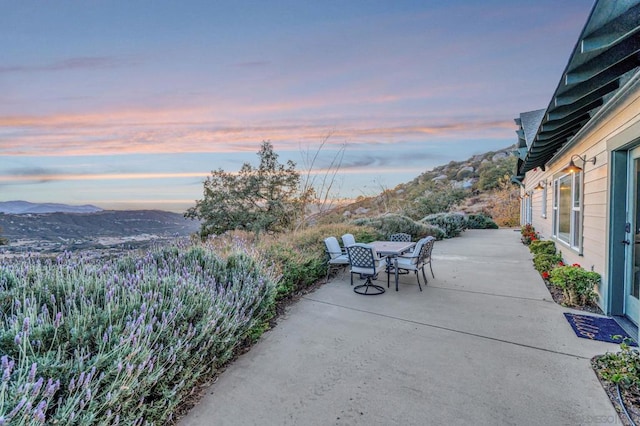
598, 328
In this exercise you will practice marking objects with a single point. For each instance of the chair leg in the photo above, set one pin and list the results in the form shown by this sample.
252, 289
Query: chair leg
426, 281
351, 275
418, 279
431, 267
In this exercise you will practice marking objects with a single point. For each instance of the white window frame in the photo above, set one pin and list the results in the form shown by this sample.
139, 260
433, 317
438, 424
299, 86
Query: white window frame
543, 207
573, 237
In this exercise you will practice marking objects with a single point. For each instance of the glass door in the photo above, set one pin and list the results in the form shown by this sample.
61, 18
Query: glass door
632, 276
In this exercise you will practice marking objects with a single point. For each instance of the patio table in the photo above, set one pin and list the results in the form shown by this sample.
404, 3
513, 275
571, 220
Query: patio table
392, 249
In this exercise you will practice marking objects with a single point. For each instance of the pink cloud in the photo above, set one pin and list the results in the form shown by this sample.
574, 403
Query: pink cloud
182, 131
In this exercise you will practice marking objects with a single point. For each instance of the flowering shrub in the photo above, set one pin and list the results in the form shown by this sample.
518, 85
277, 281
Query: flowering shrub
529, 234
576, 283
122, 341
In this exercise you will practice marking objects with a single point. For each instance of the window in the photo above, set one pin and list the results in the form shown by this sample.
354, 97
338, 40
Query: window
543, 208
567, 209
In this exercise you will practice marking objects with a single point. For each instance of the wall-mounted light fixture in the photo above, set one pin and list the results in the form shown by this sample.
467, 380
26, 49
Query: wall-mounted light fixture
540, 185
572, 168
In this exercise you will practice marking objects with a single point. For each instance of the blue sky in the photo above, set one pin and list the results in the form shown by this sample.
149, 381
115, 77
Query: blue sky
131, 104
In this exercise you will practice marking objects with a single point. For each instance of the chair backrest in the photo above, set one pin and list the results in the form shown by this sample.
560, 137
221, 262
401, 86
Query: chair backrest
416, 254
362, 256
400, 236
333, 247
348, 240
427, 248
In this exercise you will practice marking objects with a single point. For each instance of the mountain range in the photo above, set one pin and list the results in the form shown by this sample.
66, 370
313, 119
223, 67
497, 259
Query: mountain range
24, 207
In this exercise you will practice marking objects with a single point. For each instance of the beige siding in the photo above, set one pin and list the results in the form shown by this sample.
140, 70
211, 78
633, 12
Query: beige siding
593, 142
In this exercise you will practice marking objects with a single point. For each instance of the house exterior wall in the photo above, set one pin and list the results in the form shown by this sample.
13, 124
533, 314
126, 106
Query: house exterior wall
616, 126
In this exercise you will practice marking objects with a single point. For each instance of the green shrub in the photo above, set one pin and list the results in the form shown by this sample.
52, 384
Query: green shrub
298, 268
480, 221
545, 262
622, 368
393, 223
576, 283
540, 247
439, 199
451, 223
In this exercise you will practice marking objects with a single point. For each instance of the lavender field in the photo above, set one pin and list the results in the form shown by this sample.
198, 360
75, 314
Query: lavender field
123, 340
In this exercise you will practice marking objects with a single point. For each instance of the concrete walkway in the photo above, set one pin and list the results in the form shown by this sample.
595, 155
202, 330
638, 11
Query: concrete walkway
483, 344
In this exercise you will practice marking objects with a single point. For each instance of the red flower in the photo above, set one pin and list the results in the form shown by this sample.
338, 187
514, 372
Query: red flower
576, 265
545, 275
561, 263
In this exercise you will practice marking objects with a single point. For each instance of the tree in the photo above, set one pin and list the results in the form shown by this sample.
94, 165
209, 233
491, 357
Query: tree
266, 198
3, 241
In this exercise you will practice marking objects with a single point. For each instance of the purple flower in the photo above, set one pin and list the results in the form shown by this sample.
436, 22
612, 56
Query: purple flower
37, 386
58, 320
32, 372
17, 408
52, 388
25, 324
39, 413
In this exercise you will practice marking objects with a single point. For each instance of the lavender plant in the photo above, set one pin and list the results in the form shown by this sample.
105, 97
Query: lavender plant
122, 341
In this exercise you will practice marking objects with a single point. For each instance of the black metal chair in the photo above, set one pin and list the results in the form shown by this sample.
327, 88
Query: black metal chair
365, 261
400, 236
418, 259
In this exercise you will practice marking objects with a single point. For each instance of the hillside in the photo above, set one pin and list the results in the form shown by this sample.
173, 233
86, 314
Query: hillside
468, 186
54, 232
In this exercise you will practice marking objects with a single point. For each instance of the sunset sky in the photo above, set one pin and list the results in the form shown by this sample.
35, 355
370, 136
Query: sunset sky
130, 104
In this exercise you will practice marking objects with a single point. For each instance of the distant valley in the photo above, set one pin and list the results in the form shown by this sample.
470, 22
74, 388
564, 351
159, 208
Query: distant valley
102, 229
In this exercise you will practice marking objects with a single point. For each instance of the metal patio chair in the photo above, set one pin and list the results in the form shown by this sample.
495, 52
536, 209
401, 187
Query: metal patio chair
338, 258
365, 261
418, 259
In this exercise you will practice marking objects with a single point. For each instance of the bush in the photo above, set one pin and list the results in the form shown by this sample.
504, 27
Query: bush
622, 368
300, 257
439, 199
393, 223
529, 234
542, 247
545, 262
480, 221
576, 283
451, 223
102, 341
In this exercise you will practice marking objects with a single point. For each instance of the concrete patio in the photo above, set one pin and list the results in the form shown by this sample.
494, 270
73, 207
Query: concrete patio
483, 344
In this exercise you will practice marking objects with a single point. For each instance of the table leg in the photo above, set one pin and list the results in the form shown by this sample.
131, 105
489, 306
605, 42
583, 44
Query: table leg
395, 266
